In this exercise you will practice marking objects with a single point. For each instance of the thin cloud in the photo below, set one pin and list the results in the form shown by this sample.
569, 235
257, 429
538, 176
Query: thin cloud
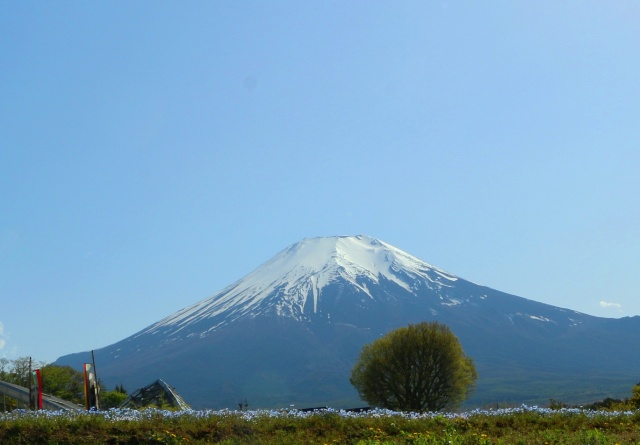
609, 305
2, 341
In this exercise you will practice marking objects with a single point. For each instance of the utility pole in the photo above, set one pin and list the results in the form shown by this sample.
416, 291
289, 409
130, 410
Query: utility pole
30, 383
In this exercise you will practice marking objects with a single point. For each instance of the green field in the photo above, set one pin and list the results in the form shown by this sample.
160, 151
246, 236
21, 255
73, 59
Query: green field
507, 426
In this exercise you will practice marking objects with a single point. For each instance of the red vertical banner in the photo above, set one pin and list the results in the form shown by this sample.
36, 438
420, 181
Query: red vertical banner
36, 390
90, 387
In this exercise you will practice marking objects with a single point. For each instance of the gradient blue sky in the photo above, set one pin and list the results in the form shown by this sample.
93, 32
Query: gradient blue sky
153, 152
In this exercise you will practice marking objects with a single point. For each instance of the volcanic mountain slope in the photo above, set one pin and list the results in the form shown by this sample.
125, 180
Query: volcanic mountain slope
290, 332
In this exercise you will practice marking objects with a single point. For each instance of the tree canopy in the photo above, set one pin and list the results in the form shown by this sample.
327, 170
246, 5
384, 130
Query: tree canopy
419, 367
64, 382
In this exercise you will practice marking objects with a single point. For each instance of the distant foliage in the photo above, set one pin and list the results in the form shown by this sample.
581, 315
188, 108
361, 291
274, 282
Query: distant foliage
610, 404
113, 399
59, 381
420, 368
17, 371
64, 382
556, 404
634, 400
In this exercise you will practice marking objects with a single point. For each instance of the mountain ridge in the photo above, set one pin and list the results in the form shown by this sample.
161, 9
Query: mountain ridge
297, 323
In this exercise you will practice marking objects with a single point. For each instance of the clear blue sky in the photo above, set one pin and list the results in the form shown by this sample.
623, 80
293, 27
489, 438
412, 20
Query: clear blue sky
153, 152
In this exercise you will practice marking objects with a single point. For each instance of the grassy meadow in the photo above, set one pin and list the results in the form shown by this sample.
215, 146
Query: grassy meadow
522, 425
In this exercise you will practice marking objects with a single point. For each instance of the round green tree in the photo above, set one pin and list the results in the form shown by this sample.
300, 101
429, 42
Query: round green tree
420, 367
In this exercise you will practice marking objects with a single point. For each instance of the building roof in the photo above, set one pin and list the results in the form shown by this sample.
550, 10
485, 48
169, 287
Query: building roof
157, 394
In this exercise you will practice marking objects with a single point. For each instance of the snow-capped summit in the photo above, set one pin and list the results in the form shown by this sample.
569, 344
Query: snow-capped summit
348, 257
292, 282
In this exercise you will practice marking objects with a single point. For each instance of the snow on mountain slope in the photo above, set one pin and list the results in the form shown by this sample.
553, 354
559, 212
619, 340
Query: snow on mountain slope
343, 276
294, 278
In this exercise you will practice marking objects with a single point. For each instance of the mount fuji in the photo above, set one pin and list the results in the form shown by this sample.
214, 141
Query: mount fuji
289, 333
